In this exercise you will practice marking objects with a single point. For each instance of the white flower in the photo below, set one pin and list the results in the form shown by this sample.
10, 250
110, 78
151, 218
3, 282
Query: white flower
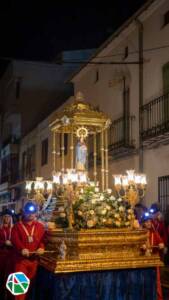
117, 223
61, 209
92, 183
91, 212
90, 223
96, 189
117, 216
103, 212
62, 215
119, 199
104, 220
101, 198
108, 207
121, 208
112, 198
93, 201
109, 191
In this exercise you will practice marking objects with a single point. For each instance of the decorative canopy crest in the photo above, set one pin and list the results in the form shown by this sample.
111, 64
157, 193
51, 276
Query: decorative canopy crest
79, 113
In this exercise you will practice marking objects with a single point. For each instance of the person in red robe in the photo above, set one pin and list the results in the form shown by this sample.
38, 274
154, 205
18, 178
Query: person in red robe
154, 244
28, 241
158, 222
6, 249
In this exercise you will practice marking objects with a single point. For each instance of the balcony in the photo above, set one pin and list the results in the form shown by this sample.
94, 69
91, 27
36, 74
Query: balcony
155, 122
120, 139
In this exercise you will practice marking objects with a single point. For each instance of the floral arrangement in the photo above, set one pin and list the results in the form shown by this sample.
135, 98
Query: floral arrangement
96, 209
93, 209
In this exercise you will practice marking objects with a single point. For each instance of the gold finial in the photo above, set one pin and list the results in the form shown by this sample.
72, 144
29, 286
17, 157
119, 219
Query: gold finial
79, 96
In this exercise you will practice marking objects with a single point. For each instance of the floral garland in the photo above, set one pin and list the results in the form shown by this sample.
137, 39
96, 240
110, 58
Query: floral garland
94, 209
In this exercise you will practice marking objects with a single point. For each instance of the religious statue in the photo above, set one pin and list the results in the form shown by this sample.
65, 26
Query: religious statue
62, 250
81, 155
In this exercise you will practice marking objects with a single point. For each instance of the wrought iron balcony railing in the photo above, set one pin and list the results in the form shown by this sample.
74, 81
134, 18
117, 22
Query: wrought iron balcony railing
120, 139
155, 120
121, 134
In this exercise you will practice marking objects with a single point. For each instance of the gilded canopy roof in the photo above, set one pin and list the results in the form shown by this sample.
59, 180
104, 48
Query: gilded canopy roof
79, 113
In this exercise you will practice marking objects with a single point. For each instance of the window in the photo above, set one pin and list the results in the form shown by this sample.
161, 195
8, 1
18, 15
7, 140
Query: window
18, 88
5, 167
163, 192
126, 112
96, 76
166, 18
126, 102
24, 163
166, 78
32, 159
126, 52
44, 155
165, 103
33, 163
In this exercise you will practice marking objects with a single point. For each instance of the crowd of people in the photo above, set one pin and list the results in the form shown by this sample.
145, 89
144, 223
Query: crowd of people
22, 242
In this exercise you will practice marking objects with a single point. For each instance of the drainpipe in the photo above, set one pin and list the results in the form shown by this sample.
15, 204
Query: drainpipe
140, 75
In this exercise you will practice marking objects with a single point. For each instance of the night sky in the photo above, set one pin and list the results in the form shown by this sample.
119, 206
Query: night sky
40, 31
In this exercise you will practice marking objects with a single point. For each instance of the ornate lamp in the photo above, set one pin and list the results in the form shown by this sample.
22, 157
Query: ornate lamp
36, 188
131, 186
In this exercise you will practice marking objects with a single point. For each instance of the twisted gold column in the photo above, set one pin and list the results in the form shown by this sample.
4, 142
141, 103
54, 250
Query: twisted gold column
106, 160
54, 151
71, 150
95, 158
57, 139
102, 159
62, 151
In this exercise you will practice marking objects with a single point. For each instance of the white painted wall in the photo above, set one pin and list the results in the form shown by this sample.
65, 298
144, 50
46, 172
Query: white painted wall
109, 98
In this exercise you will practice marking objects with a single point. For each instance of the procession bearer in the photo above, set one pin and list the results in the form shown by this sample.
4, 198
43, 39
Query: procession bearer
27, 238
154, 244
6, 249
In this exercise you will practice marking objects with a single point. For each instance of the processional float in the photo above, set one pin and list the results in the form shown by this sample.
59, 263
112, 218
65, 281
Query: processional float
92, 227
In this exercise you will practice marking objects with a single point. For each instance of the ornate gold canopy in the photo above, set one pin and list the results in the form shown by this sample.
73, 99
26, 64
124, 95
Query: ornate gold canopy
80, 120
79, 113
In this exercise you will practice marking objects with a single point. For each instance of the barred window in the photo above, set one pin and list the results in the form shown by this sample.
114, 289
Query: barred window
44, 155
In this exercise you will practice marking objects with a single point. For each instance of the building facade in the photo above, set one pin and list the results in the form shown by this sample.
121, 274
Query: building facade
127, 78
29, 92
131, 84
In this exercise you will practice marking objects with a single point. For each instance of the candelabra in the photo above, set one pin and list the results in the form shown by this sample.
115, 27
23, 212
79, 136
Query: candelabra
38, 185
37, 188
70, 177
130, 187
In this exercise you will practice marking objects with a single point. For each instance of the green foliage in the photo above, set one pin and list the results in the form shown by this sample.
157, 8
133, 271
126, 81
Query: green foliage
101, 209
94, 209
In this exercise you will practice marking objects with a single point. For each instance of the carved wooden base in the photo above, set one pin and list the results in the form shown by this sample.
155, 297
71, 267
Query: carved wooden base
103, 249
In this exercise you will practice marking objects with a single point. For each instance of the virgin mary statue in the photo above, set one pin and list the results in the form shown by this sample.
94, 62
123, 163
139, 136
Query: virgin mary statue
81, 155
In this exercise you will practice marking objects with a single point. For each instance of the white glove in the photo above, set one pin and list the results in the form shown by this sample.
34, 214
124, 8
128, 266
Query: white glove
161, 246
8, 243
40, 251
25, 252
144, 247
